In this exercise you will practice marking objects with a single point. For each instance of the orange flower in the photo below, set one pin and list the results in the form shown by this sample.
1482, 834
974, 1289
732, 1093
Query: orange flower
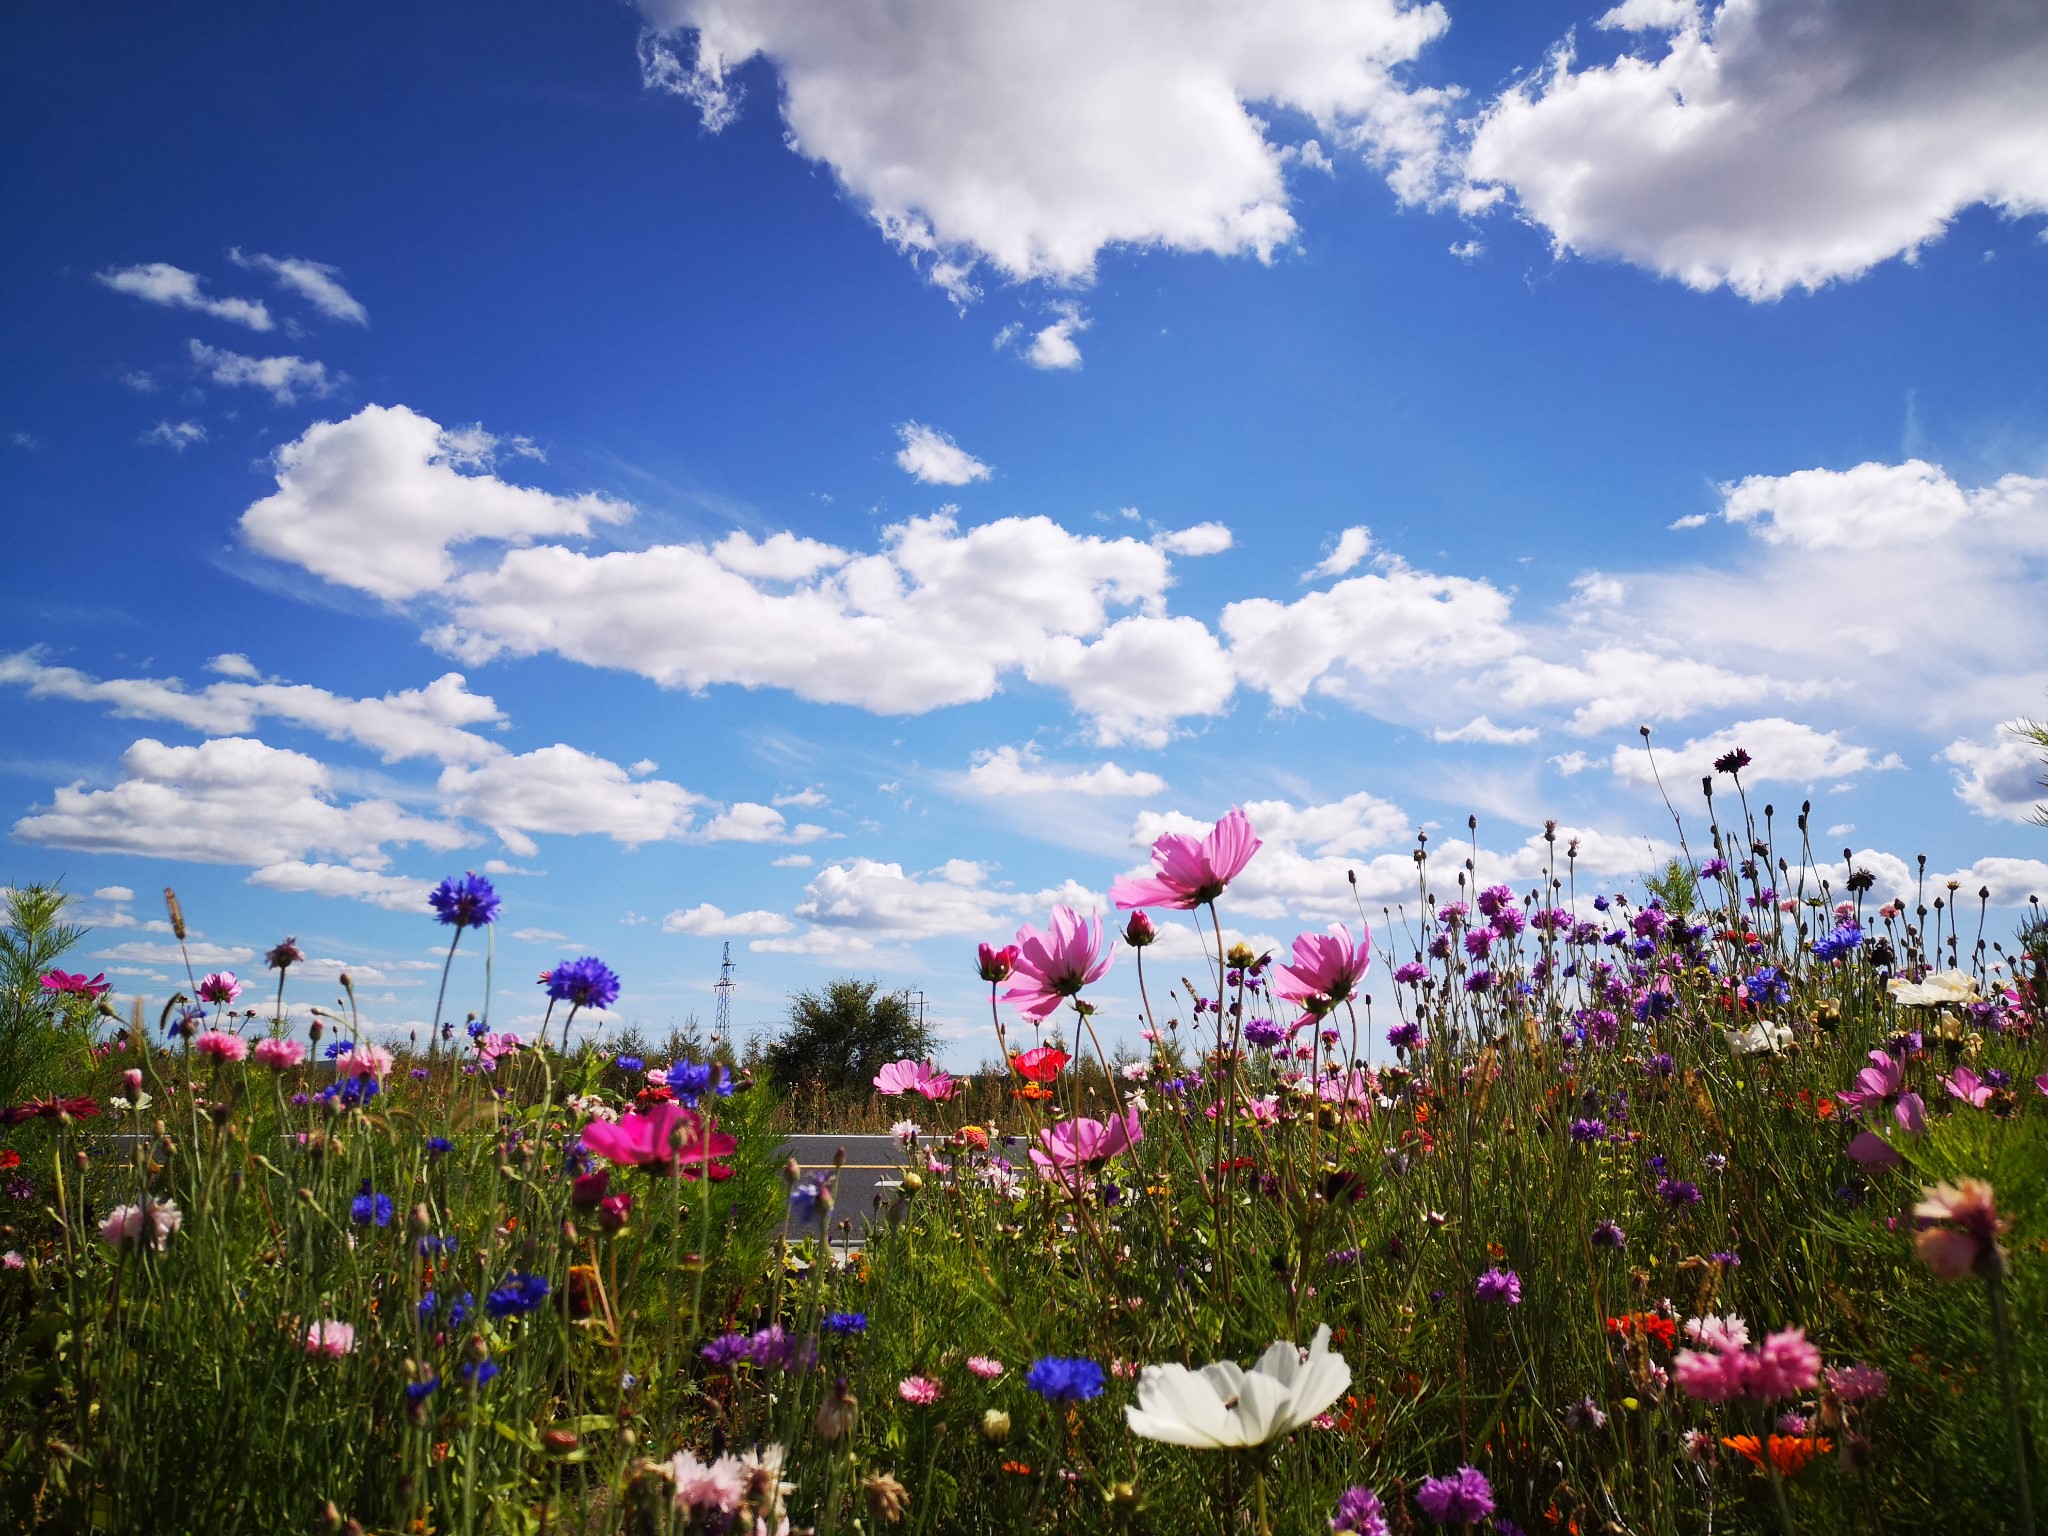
1018, 1467
1788, 1452
1649, 1325
1031, 1091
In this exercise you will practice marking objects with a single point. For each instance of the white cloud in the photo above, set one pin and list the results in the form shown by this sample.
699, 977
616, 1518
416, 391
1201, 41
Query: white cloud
231, 800
1202, 539
413, 722
1886, 506
234, 664
559, 789
283, 376
177, 435
1033, 139
1571, 763
1484, 731
375, 502
1141, 676
2002, 777
1053, 346
1001, 772
779, 557
314, 281
1786, 751
203, 956
809, 799
395, 893
1352, 546
158, 282
746, 822
1777, 144
792, 861
708, 921
114, 893
539, 936
878, 900
1617, 685
930, 457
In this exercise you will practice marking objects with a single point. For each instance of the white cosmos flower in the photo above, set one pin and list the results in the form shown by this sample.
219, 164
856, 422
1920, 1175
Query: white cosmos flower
1222, 1405
1942, 988
1762, 1038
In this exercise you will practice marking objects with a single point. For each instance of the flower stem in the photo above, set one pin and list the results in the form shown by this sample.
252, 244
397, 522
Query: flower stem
434, 1038
2001, 1328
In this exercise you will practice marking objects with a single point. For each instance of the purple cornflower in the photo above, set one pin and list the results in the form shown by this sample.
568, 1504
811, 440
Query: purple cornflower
1460, 1499
1726, 1260
584, 983
1411, 973
1404, 1037
1503, 1286
470, 902
1714, 869
1480, 980
727, 1349
1589, 1130
1069, 1381
1660, 1065
1359, 1509
1609, 1235
1677, 1192
1263, 1033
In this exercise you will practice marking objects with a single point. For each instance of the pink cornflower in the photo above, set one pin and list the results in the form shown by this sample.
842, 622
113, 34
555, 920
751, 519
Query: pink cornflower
1959, 1230
919, 1391
914, 1077
1324, 970
1784, 1365
221, 1046
1857, 1383
1191, 872
220, 987
133, 1226
1058, 963
721, 1485
984, 1367
280, 1054
364, 1060
331, 1339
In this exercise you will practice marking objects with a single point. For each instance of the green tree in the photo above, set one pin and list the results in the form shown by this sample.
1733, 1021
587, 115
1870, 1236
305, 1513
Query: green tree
842, 1034
2035, 731
1673, 885
33, 1024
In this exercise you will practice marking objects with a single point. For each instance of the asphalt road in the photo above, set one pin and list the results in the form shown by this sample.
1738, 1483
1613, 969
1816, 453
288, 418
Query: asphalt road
869, 1160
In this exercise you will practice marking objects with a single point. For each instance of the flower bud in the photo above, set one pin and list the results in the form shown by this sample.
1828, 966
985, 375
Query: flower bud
995, 1426
1139, 932
838, 1413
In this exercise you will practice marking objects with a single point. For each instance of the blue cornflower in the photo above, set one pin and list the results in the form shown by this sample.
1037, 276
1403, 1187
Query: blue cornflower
1845, 938
1769, 985
370, 1208
432, 1246
810, 1201
337, 1048
1065, 1381
438, 1145
519, 1295
629, 1064
420, 1391
846, 1322
478, 1373
584, 983
470, 902
477, 1029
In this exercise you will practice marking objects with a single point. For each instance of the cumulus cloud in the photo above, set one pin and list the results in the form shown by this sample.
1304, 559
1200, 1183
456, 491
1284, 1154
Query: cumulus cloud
1777, 144
158, 282
175, 435
202, 955
1004, 771
746, 822
930, 457
314, 281
1053, 347
394, 893
708, 921
375, 502
1352, 546
1202, 539
1033, 139
1785, 751
877, 900
285, 377
412, 722
1141, 676
2002, 778
1484, 731
231, 800
560, 789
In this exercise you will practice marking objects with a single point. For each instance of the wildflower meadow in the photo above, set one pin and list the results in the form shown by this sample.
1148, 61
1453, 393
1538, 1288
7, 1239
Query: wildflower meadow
1723, 1207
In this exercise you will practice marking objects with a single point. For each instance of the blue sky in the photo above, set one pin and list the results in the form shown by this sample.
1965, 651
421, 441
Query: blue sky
870, 467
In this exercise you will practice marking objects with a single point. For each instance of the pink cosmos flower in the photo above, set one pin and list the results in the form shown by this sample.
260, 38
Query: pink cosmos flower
364, 1060
1190, 872
921, 1391
1876, 1084
2041, 1082
1074, 1145
1965, 1084
996, 964
1058, 963
1873, 1151
280, 1054
1959, 1229
331, 1339
662, 1139
67, 984
1911, 1113
1354, 1088
220, 987
984, 1367
221, 1046
914, 1077
491, 1047
1324, 970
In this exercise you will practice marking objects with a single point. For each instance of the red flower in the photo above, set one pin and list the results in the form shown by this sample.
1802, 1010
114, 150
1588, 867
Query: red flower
9, 1160
1041, 1065
80, 1108
1648, 1325
1788, 1452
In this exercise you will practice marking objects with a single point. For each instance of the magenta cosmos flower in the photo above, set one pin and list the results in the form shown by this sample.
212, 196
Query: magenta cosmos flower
659, 1139
219, 988
1058, 963
1324, 970
1190, 872
1073, 1145
914, 1077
